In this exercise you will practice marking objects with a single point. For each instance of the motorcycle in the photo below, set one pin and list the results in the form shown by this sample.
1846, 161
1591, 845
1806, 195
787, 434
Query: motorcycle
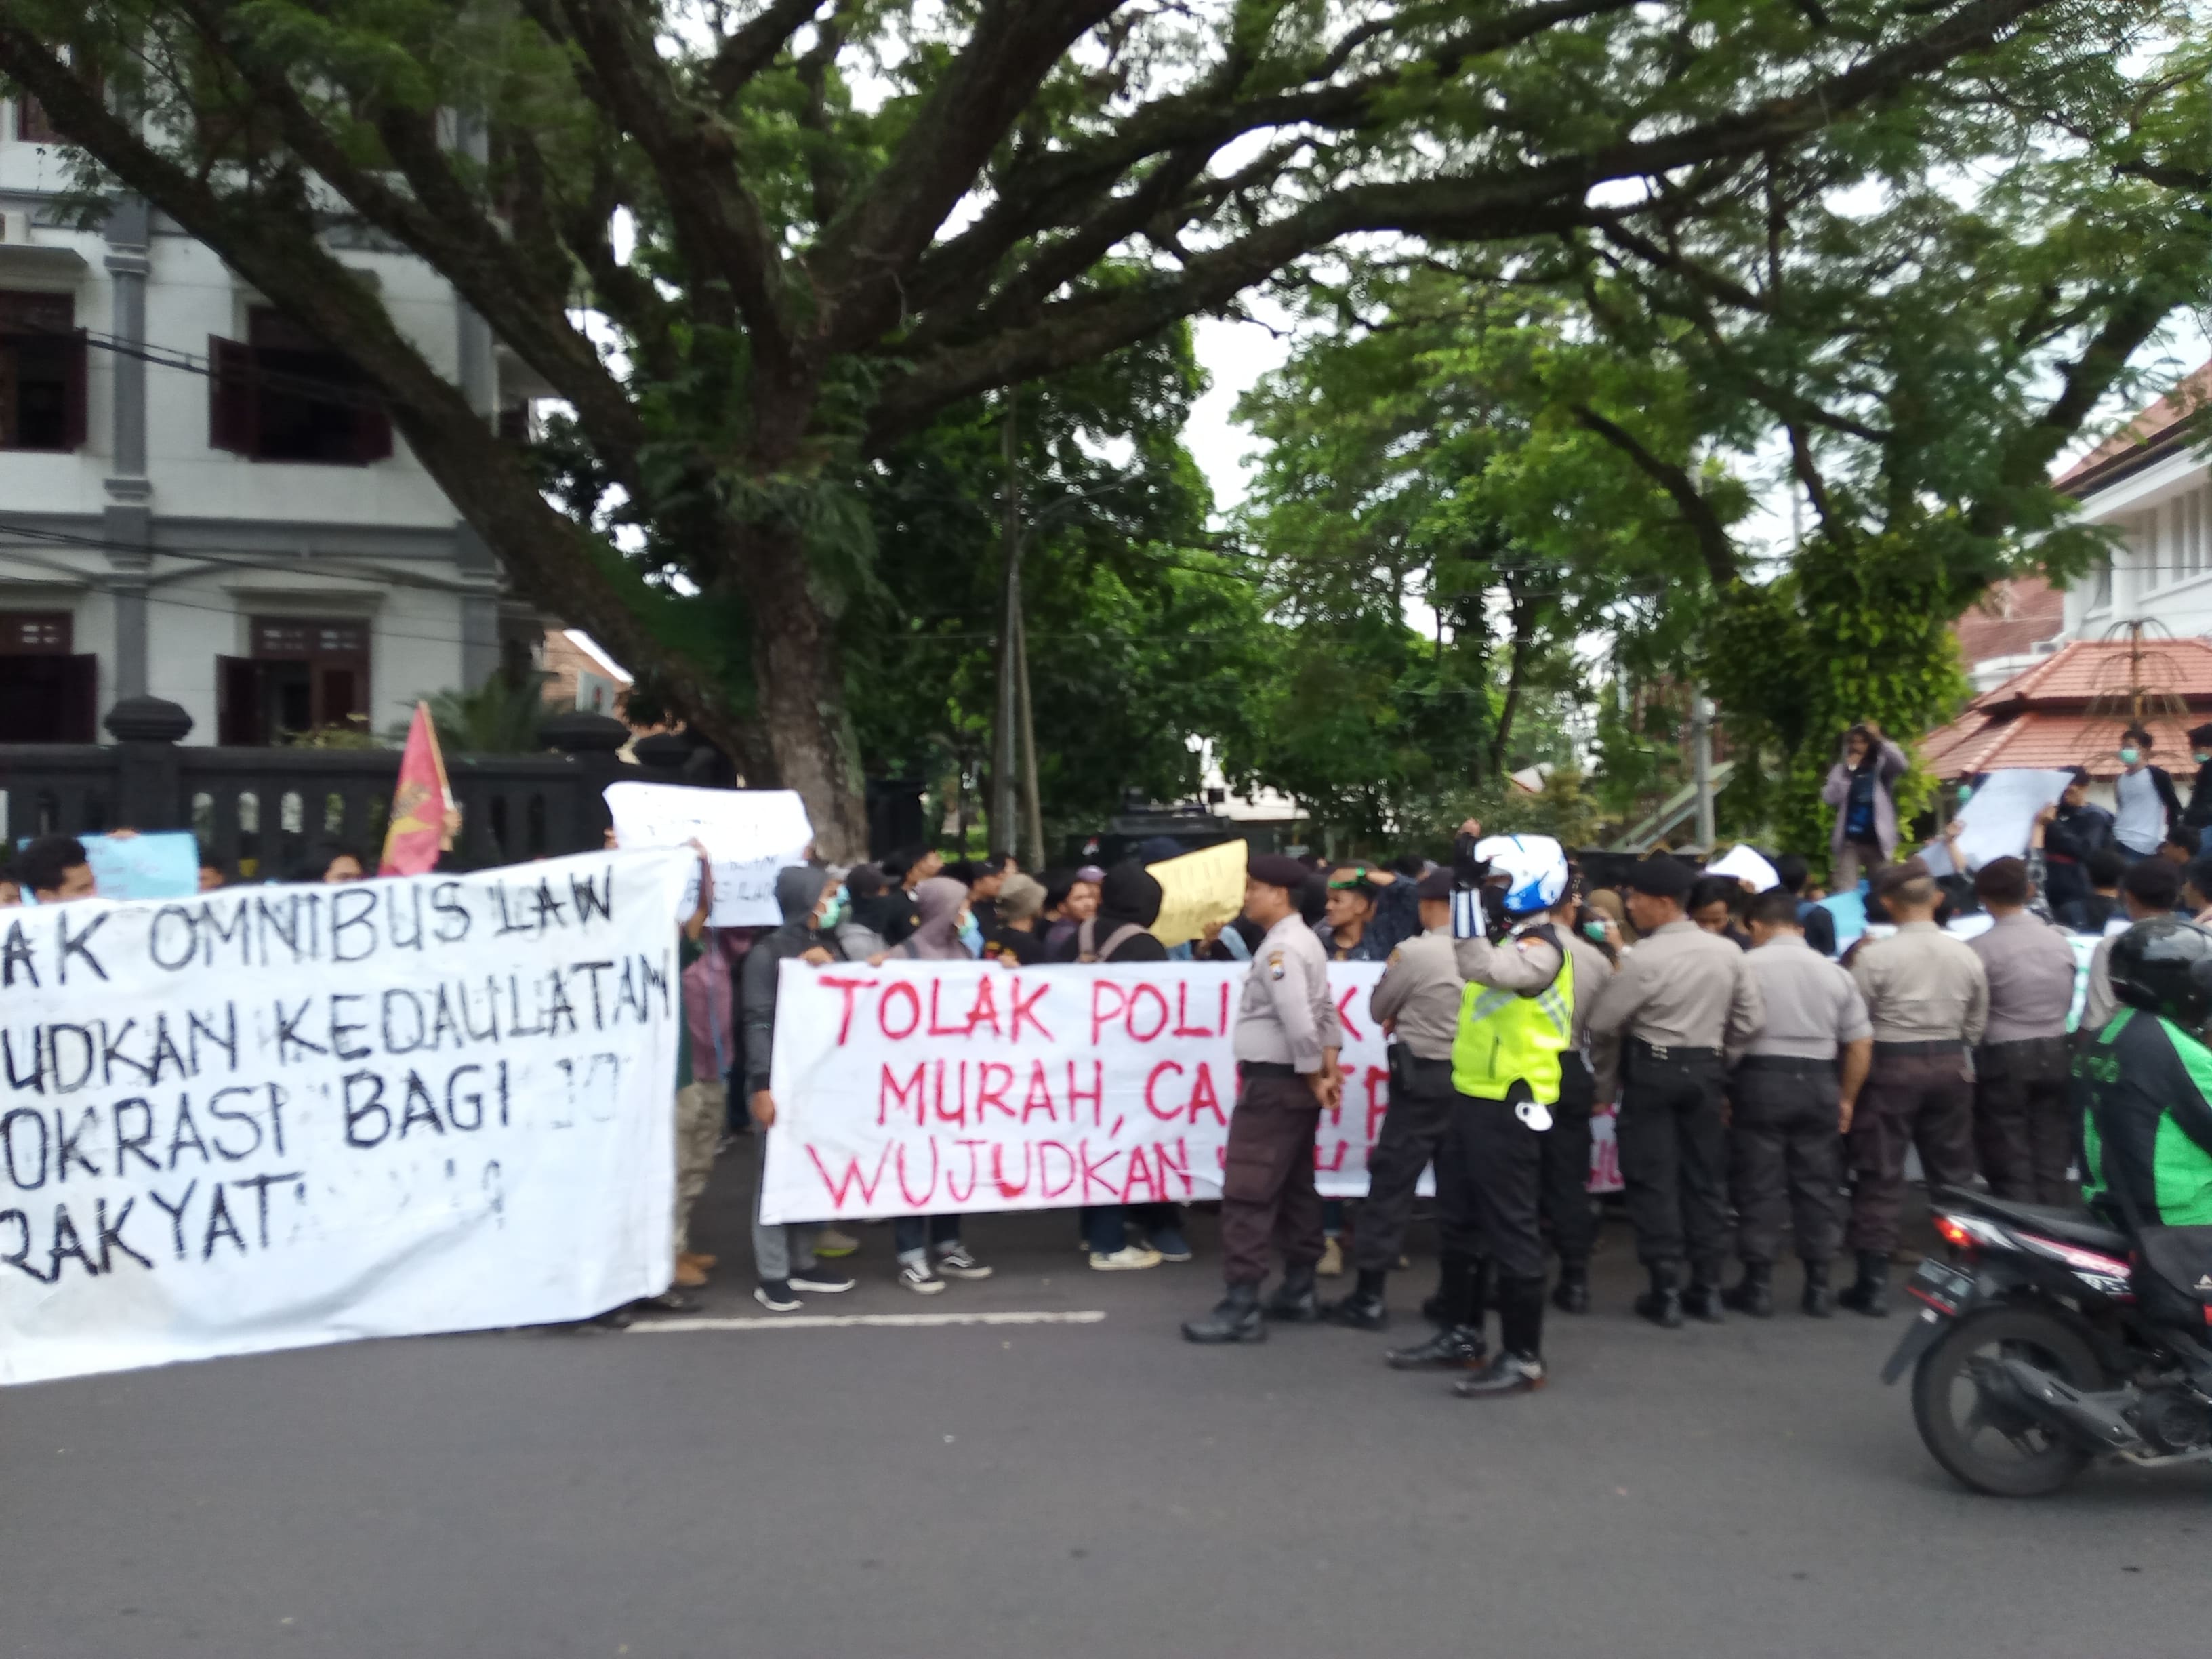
2031, 1355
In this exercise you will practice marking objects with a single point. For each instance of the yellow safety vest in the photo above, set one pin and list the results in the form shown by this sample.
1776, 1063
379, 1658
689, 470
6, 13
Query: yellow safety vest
1506, 1038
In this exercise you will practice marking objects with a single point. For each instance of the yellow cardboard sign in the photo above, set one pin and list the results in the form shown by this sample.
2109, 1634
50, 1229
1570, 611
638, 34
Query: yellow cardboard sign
1198, 888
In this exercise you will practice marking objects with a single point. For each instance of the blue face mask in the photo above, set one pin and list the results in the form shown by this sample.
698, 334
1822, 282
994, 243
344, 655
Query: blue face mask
2130, 757
1594, 929
839, 903
971, 936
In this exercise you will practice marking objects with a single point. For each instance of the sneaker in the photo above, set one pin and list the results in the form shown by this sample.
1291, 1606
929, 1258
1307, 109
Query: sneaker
689, 1274
1128, 1259
830, 1242
956, 1263
1331, 1265
917, 1278
775, 1295
826, 1280
1170, 1243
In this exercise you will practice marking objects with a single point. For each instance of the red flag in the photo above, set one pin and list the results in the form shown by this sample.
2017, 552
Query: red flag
423, 816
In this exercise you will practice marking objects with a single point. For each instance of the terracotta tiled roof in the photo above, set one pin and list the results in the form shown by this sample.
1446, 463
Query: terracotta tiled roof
2149, 431
2065, 711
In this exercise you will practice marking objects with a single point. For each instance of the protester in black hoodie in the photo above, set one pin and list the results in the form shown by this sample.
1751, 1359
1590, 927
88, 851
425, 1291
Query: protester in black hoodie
783, 1254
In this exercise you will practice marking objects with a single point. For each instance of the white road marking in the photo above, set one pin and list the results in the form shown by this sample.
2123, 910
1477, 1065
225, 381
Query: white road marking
840, 1322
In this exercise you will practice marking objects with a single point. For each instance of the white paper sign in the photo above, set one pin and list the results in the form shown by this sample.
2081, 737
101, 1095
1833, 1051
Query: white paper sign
1743, 862
272, 1117
749, 835
929, 1087
1994, 824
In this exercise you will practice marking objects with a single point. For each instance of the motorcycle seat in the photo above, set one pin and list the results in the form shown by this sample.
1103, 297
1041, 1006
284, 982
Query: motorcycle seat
2068, 1226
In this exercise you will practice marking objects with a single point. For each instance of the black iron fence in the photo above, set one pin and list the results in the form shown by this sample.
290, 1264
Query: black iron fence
258, 812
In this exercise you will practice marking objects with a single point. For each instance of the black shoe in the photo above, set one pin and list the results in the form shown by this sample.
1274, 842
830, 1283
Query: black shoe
1510, 1373
1362, 1310
1571, 1294
1870, 1294
1449, 1348
1663, 1304
1753, 1293
1295, 1302
1235, 1318
1819, 1301
1702, 1301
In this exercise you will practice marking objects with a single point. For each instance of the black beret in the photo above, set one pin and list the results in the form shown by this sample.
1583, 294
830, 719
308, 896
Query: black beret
1278, 869
1662, 877
1437, 884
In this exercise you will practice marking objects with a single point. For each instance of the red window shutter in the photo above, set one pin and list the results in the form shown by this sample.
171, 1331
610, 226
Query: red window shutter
372, 435
74, 422
231, 397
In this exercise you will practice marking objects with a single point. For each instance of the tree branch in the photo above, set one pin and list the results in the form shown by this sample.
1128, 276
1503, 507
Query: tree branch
1713, 540
753, 47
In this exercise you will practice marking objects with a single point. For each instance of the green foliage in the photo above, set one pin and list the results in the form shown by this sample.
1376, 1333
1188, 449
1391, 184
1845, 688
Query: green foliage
500, 717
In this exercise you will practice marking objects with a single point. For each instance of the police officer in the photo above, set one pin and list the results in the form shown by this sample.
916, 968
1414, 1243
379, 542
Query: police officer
1661, 1023
1417, 1002
1929, 1001
2024, 1121
1516, 1020
1567, 1143
1794, 1089
1285, 1041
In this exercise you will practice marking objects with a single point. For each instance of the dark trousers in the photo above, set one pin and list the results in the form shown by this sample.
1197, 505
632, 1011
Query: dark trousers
1106, 1226
2024, 1121
916, 1232
1672, 1156
1496, 1166
1566, 1155
1785, 1164
1413, 1126
1924, 1100
1267, 1194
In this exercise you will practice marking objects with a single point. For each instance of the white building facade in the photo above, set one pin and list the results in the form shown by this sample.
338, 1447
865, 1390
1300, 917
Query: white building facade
195, 503
2154, 483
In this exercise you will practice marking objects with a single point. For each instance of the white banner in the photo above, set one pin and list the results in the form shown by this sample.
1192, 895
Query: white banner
270, 1117
749, 835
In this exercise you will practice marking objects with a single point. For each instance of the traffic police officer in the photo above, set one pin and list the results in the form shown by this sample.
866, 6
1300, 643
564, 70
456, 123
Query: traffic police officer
1929, 1001
1679, 994
1567, 1143
1417, 1000
1517, 1018
1795, 1087
1285, 1041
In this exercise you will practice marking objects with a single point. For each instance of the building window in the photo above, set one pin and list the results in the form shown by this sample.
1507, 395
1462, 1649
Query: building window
302, 676
47, 692
282, 395
2100, 585
42, 357
32, 124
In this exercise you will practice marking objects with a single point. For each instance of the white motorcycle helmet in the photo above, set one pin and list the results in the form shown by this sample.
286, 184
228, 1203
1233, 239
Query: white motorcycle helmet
1534, 868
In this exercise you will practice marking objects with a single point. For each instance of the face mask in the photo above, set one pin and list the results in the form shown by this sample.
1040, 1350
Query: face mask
839, 903
971, 936
1966, 793
2203, 756
1594, 929
2130, 757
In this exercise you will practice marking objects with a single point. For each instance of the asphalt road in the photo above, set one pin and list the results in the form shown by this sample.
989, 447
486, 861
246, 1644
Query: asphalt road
1068, 1490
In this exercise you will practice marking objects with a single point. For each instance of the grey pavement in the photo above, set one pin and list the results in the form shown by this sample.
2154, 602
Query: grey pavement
1053, 1490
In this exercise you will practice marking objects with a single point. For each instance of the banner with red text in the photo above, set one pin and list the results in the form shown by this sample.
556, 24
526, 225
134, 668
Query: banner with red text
932, 1087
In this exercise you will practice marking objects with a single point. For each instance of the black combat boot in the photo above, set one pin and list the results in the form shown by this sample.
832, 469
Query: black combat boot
1702, 1301
1450, 1271
1296, 1300
1235, 1318
1519, 1367
1663, 1304
1753, 1293
1362, 1310
1571, 1294
1449, 1348
1870, 1294
1510, 1373
1820, 1300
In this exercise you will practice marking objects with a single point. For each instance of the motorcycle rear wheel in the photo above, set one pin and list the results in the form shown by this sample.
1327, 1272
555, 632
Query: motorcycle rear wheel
1979, 1442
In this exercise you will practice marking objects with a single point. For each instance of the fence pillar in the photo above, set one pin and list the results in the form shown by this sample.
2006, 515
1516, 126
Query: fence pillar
592, 742
149, 770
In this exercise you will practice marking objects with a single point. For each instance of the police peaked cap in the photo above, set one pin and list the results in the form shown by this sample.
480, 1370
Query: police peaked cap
1278, 869
1662, 877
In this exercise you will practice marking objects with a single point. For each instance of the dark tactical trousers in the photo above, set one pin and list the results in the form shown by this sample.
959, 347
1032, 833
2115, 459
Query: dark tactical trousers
1674, 1150
1413, 1128
1267, 1195
1566, 1149
2024, 1125
1785, 1158
1918, 1094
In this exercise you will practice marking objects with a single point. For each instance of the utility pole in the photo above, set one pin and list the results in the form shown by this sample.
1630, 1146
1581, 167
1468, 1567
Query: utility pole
1032, 812
1701, 760
1003, 759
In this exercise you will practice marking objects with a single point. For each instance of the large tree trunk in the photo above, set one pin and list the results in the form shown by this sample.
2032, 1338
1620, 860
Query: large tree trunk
799, 672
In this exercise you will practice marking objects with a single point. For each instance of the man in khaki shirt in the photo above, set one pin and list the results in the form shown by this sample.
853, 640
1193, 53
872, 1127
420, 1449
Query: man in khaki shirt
2025, 1122
1567, 1142
1680, 995
1285, 1041
1929, 1000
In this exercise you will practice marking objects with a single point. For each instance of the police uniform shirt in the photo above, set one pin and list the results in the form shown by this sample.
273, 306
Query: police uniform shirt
1523, 963
1811, 1005
1590, 967
1287, 1016
2102, 1004
2029, 965
1923, 986
1680, 987
1421, 991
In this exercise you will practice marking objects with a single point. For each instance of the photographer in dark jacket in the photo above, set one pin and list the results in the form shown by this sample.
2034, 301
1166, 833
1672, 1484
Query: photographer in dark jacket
2072, 835
2196, 822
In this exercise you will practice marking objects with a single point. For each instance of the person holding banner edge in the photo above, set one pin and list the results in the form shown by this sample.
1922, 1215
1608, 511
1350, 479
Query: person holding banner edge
1286, 1038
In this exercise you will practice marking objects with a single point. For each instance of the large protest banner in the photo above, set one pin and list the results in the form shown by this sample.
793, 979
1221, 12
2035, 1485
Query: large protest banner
270, 1117
929, 1087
